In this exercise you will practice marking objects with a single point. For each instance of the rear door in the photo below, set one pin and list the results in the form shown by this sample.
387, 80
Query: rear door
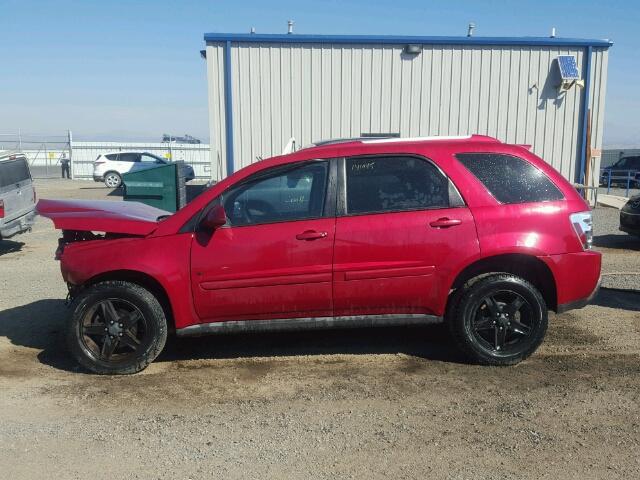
127, 161
147, 161
16, 189
273, 258
401, 229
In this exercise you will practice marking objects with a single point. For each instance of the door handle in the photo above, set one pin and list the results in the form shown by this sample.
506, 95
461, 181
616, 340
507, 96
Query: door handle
311, 235
445, 222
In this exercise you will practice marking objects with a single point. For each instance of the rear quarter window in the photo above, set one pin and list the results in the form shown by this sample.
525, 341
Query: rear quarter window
510, 179
14, 171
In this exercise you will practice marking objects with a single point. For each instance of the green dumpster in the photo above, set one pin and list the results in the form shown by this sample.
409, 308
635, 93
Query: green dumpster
161, 187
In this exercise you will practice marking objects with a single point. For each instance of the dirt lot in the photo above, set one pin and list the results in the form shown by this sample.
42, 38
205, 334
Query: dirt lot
386, 403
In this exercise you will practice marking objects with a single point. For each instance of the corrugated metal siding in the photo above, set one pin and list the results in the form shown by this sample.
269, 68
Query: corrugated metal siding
319, 91
599, 63
215, 83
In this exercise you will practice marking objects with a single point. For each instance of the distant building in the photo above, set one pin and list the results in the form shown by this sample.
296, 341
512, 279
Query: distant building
265, 89
184, 139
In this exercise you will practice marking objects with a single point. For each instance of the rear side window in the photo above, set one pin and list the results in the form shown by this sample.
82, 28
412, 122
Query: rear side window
392, 184
510, 179
129, 157
14, 171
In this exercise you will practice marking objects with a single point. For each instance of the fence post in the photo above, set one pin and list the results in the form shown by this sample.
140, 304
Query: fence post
70, 141
628, 181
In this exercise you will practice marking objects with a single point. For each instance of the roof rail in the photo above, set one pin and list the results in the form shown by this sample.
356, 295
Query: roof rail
333, 141
396, 139
478, 138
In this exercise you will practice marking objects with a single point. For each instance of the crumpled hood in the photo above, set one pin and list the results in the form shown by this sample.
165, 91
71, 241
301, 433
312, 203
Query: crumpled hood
101, 215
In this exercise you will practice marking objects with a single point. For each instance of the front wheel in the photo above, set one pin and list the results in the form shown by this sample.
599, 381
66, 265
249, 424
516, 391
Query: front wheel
500, 319
116, 328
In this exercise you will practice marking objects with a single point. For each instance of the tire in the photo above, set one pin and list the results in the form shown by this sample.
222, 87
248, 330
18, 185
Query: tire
117, 328
112, 179
487, 326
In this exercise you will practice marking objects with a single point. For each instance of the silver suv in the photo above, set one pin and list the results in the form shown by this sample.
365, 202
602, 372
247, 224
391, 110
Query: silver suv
17, 195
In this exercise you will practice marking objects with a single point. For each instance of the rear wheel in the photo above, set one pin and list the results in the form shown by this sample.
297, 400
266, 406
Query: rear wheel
500, 319
112, 179
117, 328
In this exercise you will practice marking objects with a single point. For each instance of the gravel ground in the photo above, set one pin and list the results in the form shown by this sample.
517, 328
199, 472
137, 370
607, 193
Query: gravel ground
379, 403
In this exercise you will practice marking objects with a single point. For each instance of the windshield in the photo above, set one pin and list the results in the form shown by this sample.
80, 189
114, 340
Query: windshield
14, 171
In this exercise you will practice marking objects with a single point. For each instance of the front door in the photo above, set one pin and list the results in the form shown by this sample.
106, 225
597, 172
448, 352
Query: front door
404, 229
273, 258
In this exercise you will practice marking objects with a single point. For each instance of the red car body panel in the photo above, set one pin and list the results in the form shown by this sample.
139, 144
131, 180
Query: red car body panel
400, 257
365, 264
268, 267
165, 259
101, 216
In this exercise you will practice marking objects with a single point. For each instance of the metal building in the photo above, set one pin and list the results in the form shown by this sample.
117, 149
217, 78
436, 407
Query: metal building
265, 89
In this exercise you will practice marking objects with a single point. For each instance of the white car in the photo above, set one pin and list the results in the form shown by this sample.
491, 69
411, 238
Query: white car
109, 167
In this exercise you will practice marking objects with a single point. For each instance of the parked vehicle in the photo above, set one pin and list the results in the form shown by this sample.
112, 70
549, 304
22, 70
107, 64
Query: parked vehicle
627, 169
109, 167
630, 216
479, 234
17, 195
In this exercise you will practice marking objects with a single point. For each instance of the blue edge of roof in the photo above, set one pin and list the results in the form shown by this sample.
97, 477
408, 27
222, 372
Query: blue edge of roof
391, 39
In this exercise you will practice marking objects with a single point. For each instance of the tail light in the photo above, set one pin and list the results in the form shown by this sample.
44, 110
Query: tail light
1, 208
583, 225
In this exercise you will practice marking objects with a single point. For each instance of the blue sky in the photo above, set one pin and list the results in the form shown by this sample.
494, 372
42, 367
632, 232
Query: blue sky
131, 70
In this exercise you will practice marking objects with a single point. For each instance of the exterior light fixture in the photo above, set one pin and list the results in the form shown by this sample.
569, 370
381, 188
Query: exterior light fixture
412, 49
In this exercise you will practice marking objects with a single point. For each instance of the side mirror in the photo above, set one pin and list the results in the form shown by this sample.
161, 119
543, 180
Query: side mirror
215, 218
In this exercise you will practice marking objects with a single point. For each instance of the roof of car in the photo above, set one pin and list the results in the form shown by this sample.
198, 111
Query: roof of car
127, 151
10, 155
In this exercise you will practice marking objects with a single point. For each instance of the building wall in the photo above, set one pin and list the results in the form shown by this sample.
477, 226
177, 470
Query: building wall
217, 122
320, 91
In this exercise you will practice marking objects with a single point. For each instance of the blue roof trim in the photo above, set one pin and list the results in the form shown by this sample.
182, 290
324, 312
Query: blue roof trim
395, 40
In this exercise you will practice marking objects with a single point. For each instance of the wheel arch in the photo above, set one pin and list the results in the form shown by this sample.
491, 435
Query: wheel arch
528, 267
144, 280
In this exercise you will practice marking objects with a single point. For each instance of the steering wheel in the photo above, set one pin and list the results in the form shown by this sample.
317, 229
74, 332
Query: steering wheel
254, 211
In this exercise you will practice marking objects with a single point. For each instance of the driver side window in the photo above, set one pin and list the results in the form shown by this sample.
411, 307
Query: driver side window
287, 194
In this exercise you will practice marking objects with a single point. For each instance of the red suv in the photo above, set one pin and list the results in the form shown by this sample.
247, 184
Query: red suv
479, 234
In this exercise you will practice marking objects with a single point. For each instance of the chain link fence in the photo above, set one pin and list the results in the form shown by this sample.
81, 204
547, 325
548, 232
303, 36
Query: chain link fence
196, 155
44, 153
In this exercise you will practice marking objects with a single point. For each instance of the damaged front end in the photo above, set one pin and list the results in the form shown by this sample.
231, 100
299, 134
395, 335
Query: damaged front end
73, 236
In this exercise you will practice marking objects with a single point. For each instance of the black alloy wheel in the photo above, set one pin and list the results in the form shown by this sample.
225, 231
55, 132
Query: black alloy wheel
498, 319
114, 330
117, 327
502, 321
